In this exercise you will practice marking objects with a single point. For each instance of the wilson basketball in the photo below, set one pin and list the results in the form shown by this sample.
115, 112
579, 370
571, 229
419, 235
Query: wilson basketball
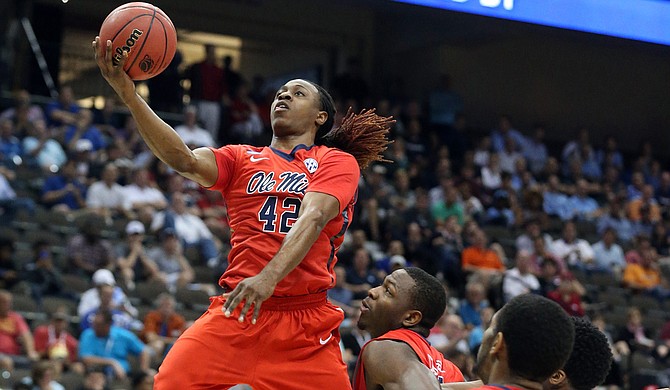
146, 33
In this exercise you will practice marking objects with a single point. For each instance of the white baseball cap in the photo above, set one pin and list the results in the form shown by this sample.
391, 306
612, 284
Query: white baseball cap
134, 227
104, 276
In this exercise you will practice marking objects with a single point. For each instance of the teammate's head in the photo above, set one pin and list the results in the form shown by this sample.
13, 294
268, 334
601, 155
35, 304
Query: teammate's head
408, 298
529, 339
299, 107
589, 361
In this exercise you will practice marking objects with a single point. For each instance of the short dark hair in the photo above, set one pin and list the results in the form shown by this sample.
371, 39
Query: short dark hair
428, 296
591, 357
106, 315
327, 105
538, 334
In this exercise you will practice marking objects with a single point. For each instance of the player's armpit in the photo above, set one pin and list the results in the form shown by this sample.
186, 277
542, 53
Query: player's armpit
393, 365
461, 385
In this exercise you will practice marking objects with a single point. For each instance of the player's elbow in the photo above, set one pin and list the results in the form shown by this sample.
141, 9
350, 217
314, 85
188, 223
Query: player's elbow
316, 217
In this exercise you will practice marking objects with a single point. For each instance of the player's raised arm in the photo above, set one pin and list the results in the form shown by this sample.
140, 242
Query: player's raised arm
198, 165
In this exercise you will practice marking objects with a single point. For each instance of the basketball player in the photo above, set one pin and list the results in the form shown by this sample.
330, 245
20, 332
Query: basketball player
289, 205
529, 339
399, 315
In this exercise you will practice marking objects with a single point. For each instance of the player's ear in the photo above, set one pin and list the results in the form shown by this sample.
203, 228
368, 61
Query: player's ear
498, 344
412, 318
557, 379
321, 118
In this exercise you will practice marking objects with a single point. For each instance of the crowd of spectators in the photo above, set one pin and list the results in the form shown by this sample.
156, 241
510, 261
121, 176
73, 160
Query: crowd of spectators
493, 213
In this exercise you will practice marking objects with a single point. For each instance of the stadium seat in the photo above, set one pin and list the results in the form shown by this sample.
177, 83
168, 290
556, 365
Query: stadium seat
645, 302
193, 299
148, 291
76, 283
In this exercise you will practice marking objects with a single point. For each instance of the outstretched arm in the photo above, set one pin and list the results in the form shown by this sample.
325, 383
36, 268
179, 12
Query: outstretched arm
393, 365
198, 165
316, 210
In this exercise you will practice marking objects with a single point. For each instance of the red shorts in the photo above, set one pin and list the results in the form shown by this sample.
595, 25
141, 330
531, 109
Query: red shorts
293, 345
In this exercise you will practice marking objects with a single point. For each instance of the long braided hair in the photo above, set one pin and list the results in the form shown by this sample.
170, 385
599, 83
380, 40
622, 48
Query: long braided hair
363, 135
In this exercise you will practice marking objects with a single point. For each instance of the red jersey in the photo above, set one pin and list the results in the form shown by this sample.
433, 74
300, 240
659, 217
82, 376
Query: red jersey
444, 370
263, 188
497, 387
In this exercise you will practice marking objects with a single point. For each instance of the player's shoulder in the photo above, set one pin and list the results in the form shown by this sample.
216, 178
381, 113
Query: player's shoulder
381, 347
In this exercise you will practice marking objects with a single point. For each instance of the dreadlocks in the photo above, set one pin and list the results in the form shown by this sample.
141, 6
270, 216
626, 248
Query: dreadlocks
362, 135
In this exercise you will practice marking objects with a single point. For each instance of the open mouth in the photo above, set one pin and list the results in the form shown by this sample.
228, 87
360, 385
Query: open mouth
281, 106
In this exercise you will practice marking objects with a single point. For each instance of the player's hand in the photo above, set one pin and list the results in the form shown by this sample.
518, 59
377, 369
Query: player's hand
251, 291
115, 75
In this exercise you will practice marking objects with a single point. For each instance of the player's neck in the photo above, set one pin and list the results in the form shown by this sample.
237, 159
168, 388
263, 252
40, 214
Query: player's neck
288, 142
516, 382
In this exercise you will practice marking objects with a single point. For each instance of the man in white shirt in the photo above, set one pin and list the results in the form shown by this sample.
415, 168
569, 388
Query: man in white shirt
143, 197
190, 229
608, 255
574, 251
193, 135
519, 280
106, 197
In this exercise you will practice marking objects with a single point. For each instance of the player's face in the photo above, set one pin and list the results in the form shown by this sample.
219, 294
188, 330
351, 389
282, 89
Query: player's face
386, 306
484, 359
295, 109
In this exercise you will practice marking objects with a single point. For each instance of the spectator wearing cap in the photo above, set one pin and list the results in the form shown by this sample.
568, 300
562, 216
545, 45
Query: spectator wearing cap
120, 317
132, 259
88, 251
173, 268
90, 299
191, 133
54, 342
64, 192
163, 325
107, 345
189, 228
106, 197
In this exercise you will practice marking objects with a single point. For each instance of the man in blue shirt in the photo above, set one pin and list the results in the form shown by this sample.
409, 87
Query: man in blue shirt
106, 345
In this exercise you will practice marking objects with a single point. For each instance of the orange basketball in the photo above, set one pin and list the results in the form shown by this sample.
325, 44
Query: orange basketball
146, 33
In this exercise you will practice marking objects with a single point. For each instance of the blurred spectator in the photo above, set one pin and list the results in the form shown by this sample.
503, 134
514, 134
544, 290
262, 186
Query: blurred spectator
10, 145
480, 260
109, 119
55, 343
556, 203
64, 192
64, 110
172, 267
94, 379
231, 80
17, 347
615, 218
191, 133
471, 307
83, 129
574, 251
663, 191
535, 150
583, 207
165, 90
641, 244
417, 249
610, 156
214, 212
608, 255
502, 210
207, 90
572, 150
340, 295
88, 251
568, 297
246, 125
634, 189
47, 153
645, 276
444, 105
22, 113
189, 228
482, 152
477, 333
120, 317
361, 276
107, 345
458, 139
43, 377
352, 342
133, 261
645, 200
637, 338
660, 239
43, 275
416, 142
503, 131
9, 270
525, 241
90, 299
106, 197
449, 206
449, 333
143, 380
509, 155
143, 195
614, 378
520, 280
492, 173
163, 325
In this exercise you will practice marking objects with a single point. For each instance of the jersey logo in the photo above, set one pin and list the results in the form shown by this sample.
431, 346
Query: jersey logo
323, 342
311, 165
257, 159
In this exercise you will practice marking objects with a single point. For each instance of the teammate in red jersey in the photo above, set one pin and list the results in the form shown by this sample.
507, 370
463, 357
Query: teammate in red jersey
399, 315
529, 339
289, 205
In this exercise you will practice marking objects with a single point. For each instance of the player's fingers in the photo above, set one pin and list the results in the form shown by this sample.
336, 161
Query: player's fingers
245, 309
231, 302
257, 310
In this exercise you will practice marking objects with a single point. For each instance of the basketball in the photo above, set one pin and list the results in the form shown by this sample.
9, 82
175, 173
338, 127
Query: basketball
146, 33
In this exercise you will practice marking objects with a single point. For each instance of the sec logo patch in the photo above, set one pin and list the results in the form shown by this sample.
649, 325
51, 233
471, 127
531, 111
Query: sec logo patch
311, 165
